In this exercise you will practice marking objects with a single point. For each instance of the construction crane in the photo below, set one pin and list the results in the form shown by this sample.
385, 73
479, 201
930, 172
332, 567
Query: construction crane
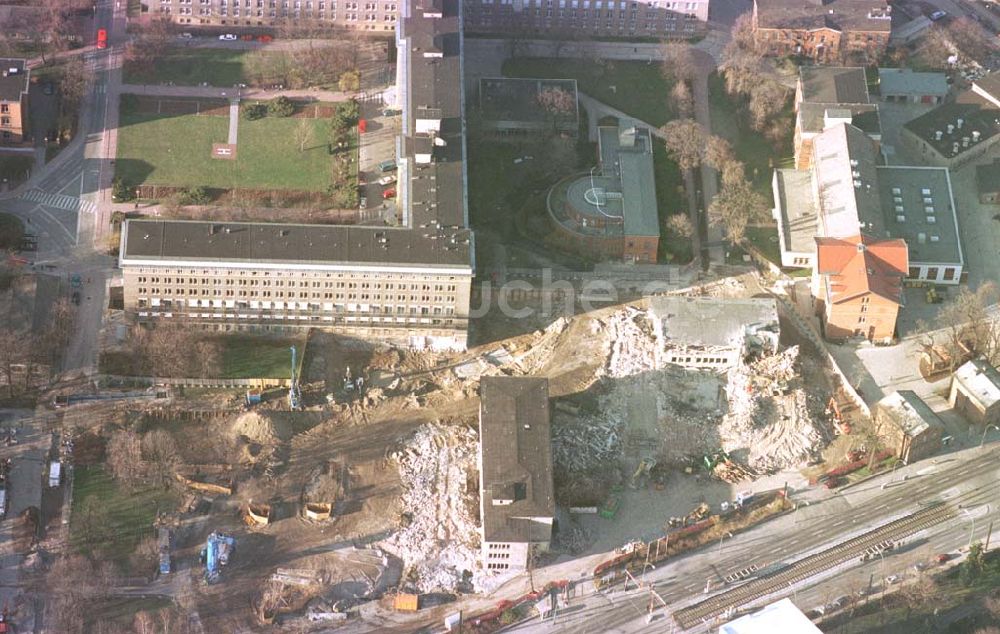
294, 396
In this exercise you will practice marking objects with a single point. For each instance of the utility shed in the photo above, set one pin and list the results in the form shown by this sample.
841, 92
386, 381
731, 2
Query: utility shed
903, 85
975, 392
517, 505
781, 616
907, 426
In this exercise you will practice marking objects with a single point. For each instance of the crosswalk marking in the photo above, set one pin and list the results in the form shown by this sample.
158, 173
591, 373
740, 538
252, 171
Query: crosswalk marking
59, 201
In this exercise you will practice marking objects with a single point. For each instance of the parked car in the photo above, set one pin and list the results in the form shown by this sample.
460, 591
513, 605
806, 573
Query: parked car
891, 579
185, 36
228, 37
364, 202
937, 15
75, 298
942, 558
389, 193
387, 180
388, 165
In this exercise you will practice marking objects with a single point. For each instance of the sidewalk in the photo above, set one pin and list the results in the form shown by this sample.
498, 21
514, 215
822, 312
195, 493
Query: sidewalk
216, 92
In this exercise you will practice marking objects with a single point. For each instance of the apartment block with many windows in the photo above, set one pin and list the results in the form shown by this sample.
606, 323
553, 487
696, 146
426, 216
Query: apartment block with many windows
407, 285
611, 18
13, 101
370, 15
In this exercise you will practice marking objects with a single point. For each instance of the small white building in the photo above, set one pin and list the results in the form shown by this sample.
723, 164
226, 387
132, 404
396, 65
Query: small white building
516, 500
781, 617
975, 392
712, 333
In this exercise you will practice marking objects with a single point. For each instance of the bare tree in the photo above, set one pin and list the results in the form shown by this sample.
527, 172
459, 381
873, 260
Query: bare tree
556, 101
678, 62
680, 224
164, 349
971, 39
736, 206
685, 140
75, 584
966, 319
124, 458
767, 98
718, 152
14, 350
144, 623
682, 100
742, 33
303, 134
73, 81
159, 451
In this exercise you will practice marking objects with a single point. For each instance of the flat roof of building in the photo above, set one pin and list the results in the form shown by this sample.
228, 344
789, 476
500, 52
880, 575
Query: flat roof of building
812, 116
833, 84
798, 209
981, 380
14, 79
189, 241
977, 115
837, 15
781, 616
845, 161
906, 81
712, 321
917, 205
910, 413
632, 165
515, 441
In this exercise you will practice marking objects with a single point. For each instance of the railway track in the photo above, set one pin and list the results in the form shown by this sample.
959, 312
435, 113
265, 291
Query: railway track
809, 566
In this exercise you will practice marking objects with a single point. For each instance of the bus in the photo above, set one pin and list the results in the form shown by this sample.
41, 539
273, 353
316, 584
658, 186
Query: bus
102, 38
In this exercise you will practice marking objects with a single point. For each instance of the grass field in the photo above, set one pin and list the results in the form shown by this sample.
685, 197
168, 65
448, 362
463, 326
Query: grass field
636, 88
191, 67
766, 241
108, 521
252, 357
670, 199
756, 152
176, 151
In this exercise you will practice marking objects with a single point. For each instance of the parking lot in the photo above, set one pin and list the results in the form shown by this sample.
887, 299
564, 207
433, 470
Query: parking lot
377, 145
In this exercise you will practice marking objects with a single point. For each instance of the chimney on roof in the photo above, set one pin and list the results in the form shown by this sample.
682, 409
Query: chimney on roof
937, 135
975, 136
959, 122
951, 128
861, 247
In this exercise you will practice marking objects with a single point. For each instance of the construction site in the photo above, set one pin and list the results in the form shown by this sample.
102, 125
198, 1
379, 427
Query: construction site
326, 499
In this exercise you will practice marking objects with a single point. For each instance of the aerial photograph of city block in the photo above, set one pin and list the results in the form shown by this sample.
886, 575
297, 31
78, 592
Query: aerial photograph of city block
476, 316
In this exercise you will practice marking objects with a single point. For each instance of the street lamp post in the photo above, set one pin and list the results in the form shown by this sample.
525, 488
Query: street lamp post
723, 537
972, 529
986, 429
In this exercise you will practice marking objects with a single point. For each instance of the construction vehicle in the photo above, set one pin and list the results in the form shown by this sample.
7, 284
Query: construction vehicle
936, 360
164, 549
216, 555
294, 396
253, 397
610, 508
55, 473
645, 465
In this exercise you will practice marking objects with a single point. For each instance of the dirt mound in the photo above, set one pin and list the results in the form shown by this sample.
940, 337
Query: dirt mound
260, 427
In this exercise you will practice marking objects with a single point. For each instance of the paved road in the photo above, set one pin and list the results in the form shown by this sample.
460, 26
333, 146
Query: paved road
216, 92
965, 478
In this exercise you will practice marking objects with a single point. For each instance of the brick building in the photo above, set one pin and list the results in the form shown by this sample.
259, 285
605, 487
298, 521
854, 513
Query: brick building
368, 15
860, 283
408, 285
611, 211
609, 18
975, 392
907, 426
827, 31
14, 85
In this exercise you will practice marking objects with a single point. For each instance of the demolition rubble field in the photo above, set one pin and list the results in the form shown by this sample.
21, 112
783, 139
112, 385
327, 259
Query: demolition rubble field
397, 463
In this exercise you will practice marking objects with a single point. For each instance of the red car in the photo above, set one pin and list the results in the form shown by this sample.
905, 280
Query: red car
102, 38
389, 193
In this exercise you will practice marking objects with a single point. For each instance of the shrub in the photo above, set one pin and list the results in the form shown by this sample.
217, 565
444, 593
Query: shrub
280, 107
121, 192
349, 81
346, 114
11, 231
197, 195
254, 111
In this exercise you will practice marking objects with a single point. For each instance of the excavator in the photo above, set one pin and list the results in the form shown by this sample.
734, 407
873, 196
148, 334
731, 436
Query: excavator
645, 465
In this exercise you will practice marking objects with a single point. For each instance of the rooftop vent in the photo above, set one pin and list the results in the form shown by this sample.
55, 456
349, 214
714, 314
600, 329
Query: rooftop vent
896, 191
937, 135
861, 247
959, 122
935, 238
931, 220
925, 192
900, 218
951, 128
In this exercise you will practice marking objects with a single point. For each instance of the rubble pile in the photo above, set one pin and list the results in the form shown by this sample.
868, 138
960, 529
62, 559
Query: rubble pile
635, 343
577, 448
770, 425
438, 541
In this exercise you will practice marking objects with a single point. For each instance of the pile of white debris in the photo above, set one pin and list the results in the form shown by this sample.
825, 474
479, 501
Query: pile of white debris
439, 539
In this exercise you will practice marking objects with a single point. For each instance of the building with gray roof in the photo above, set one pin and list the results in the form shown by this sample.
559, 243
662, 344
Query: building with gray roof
712, 333
907, 426
975, 392
612, 209
516, 493
904, 85
954, 134
826, 96
518, 107
408, 284
14, 83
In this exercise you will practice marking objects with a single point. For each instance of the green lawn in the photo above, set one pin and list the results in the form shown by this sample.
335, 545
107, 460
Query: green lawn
176, 151
638, 89
191, 67
754, 150
258, 357
766, 241
117, 519
15, 168
670, 199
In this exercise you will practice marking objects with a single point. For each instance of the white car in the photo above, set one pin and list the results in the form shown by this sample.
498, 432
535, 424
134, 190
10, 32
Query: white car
937, 15
185, 36
228, 37
387, 180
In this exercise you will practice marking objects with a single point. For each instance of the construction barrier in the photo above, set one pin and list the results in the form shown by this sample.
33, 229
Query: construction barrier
318, 511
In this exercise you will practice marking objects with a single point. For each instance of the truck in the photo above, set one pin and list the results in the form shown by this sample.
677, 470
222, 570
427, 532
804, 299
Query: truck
3, 499
55, 473
164, 548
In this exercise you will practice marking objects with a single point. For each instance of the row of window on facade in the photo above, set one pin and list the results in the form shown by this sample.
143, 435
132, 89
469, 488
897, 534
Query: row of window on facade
291, 294
284, 4
612, 4
697, 360
351, 307
320, 15
214, 281
608, 13
295, 274
335, 320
